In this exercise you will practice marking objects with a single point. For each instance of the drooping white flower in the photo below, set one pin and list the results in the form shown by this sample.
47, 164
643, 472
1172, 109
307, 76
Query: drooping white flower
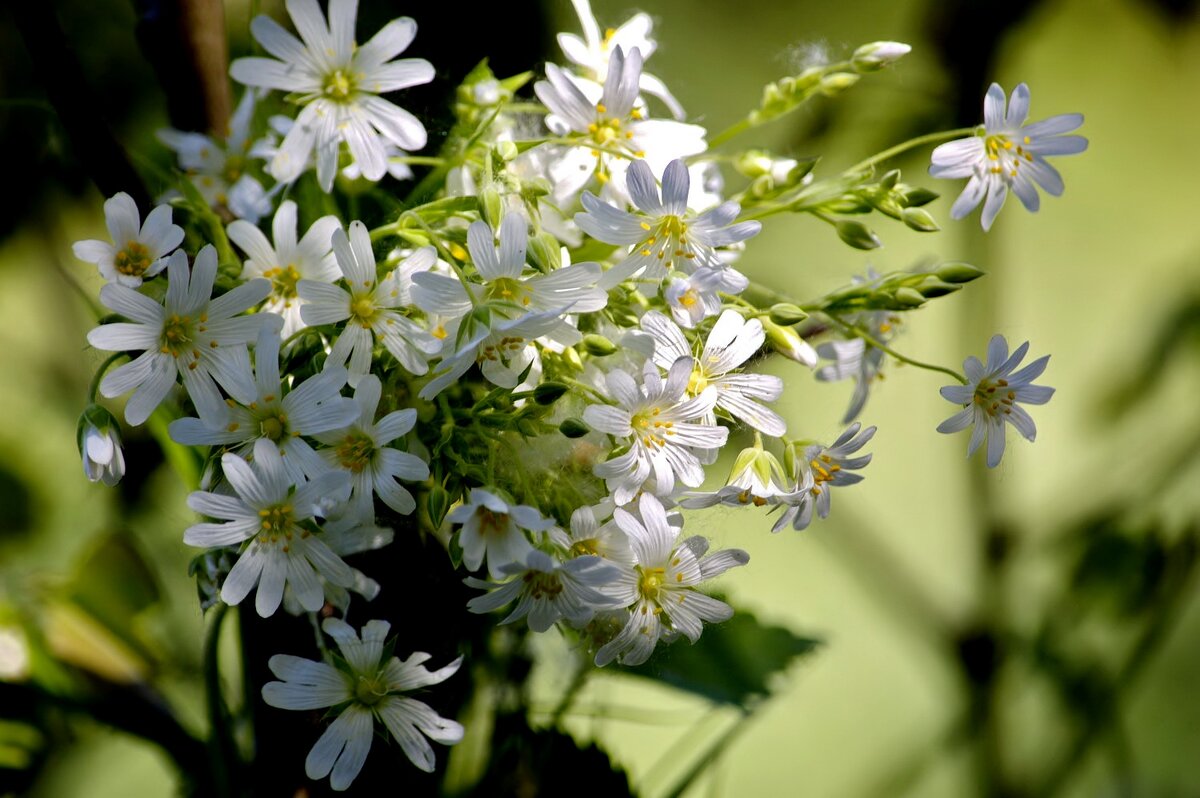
191, 335
361, 450
288, 261
491, 530
991, 397
594, 50
338, 83
661, 425
732, 341
756, 478
1007, 154
99, 441
276, 520
138, 251
278, 414
854, 358
548, 590
216, 165
370, 690
369, 308
610, 127
661, 594
663, 235
816, 471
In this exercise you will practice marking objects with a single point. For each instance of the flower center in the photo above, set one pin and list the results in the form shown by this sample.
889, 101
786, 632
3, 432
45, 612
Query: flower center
650, 582
340, 84
355, 451
274, 426
506, 347
650, 429
542, 585
363, 310
177, 335
1005, 155
283, 280
697, 382
506, 289
276, 521
582, 548
668, 241
492, 522
133, 260
234, 166
824, 470
370, 690
993, 398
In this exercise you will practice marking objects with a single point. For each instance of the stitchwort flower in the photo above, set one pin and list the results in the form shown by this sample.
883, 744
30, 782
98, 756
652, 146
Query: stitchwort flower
1008, 154
138, 251
367, 689
992, 397
816, 471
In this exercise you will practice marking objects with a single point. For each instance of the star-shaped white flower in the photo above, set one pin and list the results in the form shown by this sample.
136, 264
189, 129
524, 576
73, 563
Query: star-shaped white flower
368, 689
548, 590
816, 470
274, 515
288, 261
190, 335
338, 82
138, 251
492, 530
992, 397
1008, 154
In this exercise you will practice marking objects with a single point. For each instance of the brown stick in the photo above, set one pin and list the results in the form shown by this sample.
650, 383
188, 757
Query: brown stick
185, 42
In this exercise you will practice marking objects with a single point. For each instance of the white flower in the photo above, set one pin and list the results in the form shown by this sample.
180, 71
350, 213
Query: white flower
756, 478
816, 472
593, 51
661, 424
732, 341
855, 359
548, 590
275, 414
610, 127
991, 397
1008, 154
694, 297
367, 307
491, 530
287, 261
664, 234
660, 592
370, 689
361, 450
191, 335
138, 250
217, 166
100, 446
338, 83
589, 537
282, 550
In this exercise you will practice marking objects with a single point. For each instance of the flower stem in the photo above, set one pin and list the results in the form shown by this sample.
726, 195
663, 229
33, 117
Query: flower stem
919, 141
875, 342
94, 386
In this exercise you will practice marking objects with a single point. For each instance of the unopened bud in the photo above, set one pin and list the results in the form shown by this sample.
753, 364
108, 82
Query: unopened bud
916, 196
788, 343
507, 150
437, 504
909, 297
574, 428
753, 163
890, 179
919, 219
549, 392
837, 82
99, 441
857, 234
786, 314
545, 252
932, 288
876, 55
598, 345
491, 205
958, 272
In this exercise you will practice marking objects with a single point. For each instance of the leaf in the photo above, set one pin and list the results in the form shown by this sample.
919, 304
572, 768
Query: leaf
731, 663
546, 762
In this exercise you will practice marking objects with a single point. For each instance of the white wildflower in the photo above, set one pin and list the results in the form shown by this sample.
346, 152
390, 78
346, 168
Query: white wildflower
138, 251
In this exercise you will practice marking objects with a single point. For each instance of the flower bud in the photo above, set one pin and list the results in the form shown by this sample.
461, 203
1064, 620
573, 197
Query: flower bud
549, 392
786, 314
507, 150
857, 234
837, 82
788, 343
545, 252
958, 272
932, 288
919, 219
491, 205
909, 297
876, 55
916, 196
598, 345
99, 441
437, 504
574, 428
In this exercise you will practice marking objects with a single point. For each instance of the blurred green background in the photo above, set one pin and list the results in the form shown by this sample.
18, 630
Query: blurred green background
974, 625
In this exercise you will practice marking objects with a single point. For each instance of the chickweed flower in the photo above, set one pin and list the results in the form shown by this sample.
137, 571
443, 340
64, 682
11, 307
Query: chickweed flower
816, 471
100, 446
138, 251
1008, 154
993, 395
367, 689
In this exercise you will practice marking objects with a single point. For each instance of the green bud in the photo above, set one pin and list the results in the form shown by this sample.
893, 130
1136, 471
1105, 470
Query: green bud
857, 234
837, 82
549, 392
753, 163
507, 151
932, 288
545, 252
572, 357
598, 345
787, 342
848, 204
94, 416
876, 55
916, 196
919, 219
574, 428
958, 272
909, 297
491, 205
890, 179
437, 504
787, 314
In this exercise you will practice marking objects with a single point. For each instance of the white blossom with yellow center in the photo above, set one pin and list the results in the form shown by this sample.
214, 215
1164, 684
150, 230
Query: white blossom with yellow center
138, 251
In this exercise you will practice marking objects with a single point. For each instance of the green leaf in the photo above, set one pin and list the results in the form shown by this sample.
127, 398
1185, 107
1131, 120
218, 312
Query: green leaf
732, 663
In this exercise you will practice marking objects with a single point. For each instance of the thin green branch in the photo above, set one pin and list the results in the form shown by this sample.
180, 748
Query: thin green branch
875, 342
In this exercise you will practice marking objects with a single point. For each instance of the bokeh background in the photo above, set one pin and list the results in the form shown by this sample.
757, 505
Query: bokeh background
1034, 630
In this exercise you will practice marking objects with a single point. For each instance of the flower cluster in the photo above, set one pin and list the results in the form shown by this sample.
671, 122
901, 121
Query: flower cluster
538, 362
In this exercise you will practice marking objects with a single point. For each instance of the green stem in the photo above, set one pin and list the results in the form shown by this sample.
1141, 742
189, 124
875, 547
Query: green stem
582, 671
736, 129
919, 141
875, 342
94, 386
222, 750
419, 160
